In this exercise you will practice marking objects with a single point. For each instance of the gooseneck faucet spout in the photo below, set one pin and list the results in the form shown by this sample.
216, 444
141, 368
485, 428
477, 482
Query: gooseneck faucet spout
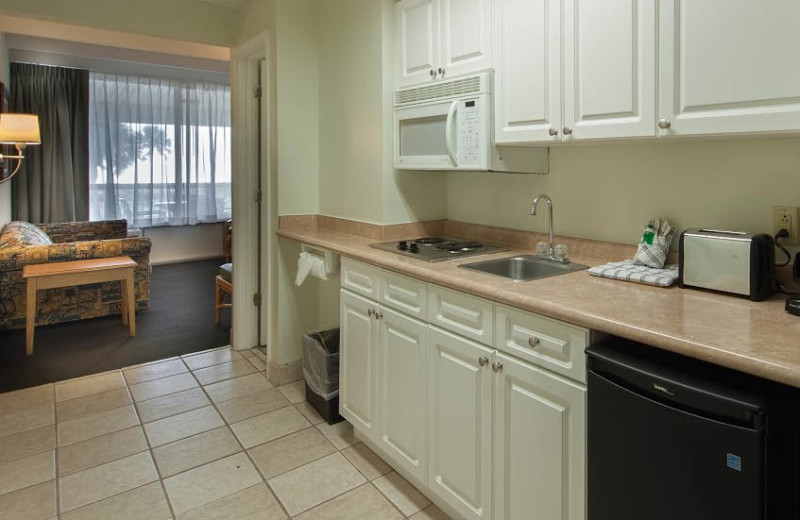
552, 246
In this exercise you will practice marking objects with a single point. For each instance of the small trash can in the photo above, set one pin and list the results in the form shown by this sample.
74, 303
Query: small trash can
321, 371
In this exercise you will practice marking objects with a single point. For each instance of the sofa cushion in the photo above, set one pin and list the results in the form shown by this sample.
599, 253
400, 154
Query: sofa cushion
20, 234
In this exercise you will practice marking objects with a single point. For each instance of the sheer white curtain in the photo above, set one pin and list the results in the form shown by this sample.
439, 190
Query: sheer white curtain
159, 150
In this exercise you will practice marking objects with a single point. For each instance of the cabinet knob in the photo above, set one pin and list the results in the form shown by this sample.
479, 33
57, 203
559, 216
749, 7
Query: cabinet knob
567, 130
497, 367
483, 361
665, 124
379, 315
433, 73
442, 71
370, 312
553, 132
533, 342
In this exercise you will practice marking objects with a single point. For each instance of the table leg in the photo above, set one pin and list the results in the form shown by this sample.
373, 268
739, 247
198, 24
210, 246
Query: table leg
123, 294
131, 298
30, 316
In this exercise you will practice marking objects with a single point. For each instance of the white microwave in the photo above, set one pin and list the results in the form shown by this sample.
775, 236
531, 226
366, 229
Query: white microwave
444, 126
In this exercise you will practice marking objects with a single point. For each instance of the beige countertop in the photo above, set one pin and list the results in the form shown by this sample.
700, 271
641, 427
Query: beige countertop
757, 338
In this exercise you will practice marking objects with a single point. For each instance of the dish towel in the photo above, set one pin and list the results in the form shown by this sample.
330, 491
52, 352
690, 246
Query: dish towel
631, 272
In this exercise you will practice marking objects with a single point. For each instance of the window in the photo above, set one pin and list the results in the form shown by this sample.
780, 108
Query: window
159, 151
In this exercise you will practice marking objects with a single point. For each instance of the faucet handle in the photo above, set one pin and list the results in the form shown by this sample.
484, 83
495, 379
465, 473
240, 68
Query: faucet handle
561, 252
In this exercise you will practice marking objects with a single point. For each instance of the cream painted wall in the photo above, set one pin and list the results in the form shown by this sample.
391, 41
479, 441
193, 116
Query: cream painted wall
297, 107
406, 196
177, 19
351, 103
185, 243
606, 191
5, 189
357, 180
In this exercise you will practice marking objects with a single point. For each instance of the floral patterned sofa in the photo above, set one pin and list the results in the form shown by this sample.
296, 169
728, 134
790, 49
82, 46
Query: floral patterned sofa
22, 244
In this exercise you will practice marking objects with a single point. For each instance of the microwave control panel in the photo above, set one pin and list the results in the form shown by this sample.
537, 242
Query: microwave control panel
469, 132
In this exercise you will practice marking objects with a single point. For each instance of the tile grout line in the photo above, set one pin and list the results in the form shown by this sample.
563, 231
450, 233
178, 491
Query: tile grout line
244, 450
153, 456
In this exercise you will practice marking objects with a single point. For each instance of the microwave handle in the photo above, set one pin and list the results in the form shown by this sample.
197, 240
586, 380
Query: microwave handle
448, 133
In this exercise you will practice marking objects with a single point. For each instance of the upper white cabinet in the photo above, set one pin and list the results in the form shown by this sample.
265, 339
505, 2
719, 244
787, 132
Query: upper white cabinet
609, 69
527, 70
417, 41
574, 69
441, 39
729, 66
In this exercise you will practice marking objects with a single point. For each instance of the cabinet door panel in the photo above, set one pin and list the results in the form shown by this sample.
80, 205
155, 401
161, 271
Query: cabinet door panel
539, 444
466, 36
357, 362
459, 423
528, 70
729, 66
609, 68
418, 29
402, 390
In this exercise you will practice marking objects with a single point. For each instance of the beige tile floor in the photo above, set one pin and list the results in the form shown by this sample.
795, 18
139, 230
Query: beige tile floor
201, 437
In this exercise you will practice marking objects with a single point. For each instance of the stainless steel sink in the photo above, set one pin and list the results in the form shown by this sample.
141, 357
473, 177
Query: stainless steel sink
523, 268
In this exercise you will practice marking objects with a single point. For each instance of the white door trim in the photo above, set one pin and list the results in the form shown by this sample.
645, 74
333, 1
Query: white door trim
245, 61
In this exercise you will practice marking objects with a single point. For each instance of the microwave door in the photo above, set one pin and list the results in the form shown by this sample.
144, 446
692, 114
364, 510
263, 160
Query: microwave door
424, 137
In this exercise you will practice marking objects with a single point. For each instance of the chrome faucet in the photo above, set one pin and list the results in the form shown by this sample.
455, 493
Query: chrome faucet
551, 251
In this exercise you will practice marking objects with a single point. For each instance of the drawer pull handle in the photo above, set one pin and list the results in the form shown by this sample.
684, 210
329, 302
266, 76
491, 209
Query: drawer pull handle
497, 367
483, 361
533, 342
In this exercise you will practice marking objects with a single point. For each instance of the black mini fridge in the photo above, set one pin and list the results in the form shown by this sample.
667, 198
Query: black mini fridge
670, 438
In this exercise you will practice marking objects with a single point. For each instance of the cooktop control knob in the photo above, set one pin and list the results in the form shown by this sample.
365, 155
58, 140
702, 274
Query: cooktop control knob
413, 248
402, 245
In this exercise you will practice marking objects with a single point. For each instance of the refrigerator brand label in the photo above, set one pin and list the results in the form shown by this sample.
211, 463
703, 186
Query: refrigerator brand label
734, 462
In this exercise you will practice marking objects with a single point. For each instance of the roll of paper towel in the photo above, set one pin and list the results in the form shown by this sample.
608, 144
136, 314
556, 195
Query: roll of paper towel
310, 264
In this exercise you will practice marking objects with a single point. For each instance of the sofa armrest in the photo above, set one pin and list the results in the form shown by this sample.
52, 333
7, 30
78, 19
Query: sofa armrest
63, 232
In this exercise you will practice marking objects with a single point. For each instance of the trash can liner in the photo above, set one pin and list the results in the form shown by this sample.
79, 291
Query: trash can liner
321, 362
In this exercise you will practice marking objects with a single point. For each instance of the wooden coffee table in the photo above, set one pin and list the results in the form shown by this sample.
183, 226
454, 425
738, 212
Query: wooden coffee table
80, 272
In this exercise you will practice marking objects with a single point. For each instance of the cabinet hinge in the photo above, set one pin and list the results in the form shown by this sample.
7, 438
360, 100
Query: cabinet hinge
257, 91
257, 299
259, 196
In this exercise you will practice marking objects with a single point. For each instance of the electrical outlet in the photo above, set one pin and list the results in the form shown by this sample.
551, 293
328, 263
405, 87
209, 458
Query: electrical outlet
785, 217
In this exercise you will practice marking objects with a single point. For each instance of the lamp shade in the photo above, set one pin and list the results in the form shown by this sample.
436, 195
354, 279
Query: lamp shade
19, 128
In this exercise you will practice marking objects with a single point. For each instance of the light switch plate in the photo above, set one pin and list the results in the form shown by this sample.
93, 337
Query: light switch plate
786, 217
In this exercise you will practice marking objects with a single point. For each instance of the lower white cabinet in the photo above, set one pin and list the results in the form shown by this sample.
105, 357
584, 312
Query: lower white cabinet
539, 443
401, 389
460, 423
485, 434
358, 337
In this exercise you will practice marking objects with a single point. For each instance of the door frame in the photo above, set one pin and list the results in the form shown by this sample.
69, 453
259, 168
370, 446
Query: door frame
246, 61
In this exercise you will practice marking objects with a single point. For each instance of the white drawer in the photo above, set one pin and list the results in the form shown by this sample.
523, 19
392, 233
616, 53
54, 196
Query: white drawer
403, 294
457, 312
360, 278
543, 341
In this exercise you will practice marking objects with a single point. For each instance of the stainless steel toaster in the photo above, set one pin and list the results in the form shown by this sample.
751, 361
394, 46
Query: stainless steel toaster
728, 261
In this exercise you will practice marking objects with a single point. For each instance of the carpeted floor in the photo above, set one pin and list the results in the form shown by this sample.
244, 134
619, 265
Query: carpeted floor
180, 320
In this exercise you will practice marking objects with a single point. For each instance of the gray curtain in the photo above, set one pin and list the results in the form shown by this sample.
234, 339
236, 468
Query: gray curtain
53, 183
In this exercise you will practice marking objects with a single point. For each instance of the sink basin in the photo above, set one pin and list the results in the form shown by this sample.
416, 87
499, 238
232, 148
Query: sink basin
523, 268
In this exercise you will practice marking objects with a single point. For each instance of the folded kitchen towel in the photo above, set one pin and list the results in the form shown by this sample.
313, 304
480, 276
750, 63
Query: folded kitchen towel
654, 246
632, 272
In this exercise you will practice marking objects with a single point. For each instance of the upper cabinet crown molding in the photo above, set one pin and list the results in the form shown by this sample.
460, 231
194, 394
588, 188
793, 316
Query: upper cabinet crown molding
728, 66
442, 39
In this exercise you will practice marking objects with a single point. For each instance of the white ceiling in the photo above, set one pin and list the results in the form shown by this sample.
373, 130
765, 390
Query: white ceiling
224, 3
